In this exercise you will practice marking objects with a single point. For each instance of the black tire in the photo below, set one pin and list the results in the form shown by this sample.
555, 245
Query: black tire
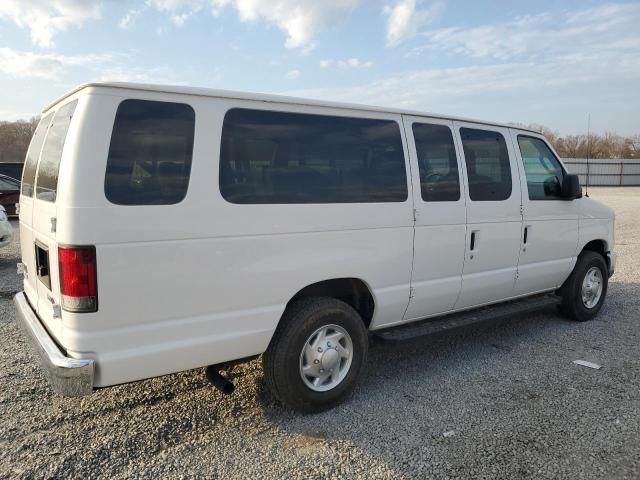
571, 291
281, 361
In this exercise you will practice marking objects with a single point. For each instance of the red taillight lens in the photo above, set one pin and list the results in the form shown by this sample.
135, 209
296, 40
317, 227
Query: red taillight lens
78, 279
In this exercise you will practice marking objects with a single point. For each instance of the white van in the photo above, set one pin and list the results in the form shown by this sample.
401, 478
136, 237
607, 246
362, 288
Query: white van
169, 228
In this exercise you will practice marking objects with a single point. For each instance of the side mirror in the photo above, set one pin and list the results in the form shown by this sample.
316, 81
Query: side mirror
571, 188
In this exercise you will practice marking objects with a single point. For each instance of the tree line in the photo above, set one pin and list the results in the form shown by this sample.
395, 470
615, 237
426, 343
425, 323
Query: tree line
607, 145
15, 137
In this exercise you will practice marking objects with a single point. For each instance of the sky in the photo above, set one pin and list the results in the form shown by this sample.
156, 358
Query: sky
545, 62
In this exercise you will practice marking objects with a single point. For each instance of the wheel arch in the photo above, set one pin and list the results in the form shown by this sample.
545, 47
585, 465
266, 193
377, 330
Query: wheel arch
353, 291
599, 246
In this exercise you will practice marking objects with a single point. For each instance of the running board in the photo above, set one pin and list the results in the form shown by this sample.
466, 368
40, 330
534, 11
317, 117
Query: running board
496, 311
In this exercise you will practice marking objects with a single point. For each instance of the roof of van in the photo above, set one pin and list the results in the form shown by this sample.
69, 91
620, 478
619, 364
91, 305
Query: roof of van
264, 97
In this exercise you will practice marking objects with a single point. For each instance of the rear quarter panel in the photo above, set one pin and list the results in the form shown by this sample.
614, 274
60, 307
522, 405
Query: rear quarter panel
205, 281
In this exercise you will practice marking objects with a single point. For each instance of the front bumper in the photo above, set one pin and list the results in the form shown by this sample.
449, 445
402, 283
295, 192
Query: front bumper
70, 377
611, 262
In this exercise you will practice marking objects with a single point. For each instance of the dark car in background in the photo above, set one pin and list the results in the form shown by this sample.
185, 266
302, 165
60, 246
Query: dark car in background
9, 194
11, 169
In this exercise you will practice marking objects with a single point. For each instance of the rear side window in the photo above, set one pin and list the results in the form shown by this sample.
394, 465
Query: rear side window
487, 160
280, 157
150, 153
437, 162
47, 181
31, 161
542, 168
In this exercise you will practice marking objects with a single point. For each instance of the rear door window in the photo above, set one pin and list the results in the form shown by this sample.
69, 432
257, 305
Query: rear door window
33, 154
47, 181
487, 160
270, 157
437, 162
150, 153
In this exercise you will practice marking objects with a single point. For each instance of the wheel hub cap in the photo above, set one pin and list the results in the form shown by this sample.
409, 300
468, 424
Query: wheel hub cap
326, 358
330, 359
592, 286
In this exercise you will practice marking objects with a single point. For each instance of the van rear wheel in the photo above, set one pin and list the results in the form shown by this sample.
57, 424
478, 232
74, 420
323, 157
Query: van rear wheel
316, 354
584, 291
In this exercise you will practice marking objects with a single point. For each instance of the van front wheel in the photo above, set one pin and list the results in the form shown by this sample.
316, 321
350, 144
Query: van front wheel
316, 354
584, 291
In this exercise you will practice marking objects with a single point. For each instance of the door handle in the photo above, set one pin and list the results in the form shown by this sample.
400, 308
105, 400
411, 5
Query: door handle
525, 237
473, 243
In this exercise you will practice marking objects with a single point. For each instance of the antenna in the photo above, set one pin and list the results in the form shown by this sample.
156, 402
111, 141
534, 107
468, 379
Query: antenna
586, 191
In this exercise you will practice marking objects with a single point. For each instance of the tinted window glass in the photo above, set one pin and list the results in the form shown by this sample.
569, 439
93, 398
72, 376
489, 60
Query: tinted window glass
150, 153
47, 182
31, 161
487, 161
278, 157
437, 162
542, 168
8, 184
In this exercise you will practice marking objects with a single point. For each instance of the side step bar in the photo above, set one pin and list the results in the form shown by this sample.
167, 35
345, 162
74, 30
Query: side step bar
497, 311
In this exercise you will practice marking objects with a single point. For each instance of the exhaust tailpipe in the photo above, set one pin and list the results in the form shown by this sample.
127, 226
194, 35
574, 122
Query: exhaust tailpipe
221, 383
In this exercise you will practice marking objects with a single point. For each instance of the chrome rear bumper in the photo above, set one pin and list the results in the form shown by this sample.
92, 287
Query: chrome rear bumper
70, 377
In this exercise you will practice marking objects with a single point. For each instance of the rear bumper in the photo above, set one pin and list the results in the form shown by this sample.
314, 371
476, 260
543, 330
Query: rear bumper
70, 377
611, 262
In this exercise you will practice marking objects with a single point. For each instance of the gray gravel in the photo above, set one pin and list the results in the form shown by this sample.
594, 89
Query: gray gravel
9, 255
507, 395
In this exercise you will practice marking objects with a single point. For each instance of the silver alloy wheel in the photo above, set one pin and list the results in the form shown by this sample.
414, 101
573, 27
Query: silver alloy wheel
592, 287
326, 358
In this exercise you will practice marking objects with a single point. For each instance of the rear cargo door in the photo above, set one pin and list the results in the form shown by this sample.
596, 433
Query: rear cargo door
27, 193
44, 221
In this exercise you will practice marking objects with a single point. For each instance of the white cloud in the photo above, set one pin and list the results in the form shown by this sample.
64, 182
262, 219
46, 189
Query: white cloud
348, 63
552, 93
293, 74
11, 116
301, 20
176, 5
611, 27
45, 18
159, 74
404, 19
44, 65
129, 19
100, 67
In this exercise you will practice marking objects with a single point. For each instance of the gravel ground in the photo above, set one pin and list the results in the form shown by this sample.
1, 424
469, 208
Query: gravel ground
502, 400
10, 282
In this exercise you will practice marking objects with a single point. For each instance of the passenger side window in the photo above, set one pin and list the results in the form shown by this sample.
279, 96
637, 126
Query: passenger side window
150, 153
269, 157
437, 162
33, 154
542, 168
487, 160
47, 182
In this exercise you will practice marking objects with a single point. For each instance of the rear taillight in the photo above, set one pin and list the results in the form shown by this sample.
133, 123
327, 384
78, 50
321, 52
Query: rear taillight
78, 279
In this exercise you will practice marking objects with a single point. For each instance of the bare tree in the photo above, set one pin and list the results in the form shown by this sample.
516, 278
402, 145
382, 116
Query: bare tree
15, 138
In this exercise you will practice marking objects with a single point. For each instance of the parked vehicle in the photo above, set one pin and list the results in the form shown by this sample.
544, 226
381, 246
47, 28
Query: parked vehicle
9, 194
12, 169
169, 228
6, 230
